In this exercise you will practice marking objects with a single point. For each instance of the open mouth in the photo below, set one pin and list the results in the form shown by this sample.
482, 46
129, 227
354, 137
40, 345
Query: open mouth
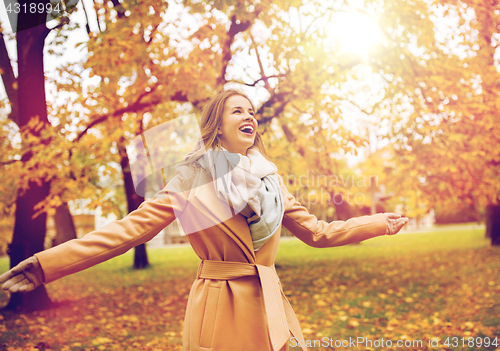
247, 129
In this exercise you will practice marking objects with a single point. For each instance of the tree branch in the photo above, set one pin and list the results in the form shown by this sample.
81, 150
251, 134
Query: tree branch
97, 17
282, 75
9, 162
261, 66
9, 80
135, 107
236, 27
274, 99
87, 26
118, 7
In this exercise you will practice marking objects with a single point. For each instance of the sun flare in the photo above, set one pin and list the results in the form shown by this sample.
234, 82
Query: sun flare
356, 33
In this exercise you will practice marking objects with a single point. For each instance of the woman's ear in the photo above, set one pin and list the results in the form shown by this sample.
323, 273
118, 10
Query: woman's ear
219, 131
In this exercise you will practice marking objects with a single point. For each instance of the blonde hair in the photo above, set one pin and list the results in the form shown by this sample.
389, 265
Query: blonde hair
211, 121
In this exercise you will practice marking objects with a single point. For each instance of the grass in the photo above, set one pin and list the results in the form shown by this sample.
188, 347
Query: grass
387, 245
407, 287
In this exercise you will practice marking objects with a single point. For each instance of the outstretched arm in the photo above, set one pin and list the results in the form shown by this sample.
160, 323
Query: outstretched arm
318, 233
98, 246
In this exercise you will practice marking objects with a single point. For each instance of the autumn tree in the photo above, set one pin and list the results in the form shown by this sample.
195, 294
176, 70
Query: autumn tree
29, 228
28, 164
474, 112
444, 112
65, 228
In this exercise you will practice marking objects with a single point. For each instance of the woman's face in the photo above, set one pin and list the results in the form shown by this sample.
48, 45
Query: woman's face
239, 126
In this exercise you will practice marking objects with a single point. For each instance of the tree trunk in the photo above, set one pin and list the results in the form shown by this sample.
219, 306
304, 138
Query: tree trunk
140, 257
65, 227
493, 224
133, 202
28, 239
9, 80
29, 233
343, 210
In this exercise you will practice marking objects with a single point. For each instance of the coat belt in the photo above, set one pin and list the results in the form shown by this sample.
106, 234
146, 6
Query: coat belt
280, 316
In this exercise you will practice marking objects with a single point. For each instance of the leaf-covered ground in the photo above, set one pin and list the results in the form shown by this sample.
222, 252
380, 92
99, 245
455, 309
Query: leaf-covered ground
408, 287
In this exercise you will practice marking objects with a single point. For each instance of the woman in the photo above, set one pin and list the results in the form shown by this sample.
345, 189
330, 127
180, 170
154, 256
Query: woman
232, 203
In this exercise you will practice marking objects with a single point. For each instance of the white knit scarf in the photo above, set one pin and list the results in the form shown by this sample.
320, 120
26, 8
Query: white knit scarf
249, 184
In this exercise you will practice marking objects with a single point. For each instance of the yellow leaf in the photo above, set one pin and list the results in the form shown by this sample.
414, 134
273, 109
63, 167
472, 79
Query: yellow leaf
353, 323
101, 340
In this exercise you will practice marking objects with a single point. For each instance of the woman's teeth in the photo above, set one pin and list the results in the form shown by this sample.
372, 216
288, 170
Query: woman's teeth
247, 129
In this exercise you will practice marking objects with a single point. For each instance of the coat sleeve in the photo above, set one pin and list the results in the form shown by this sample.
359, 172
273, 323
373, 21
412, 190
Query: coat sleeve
318, 233
115, 238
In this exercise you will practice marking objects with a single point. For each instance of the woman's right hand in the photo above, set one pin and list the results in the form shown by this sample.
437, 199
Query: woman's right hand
394, 223
26, 276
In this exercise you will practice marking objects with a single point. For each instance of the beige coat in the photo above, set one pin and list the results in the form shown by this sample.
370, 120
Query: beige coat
232, 306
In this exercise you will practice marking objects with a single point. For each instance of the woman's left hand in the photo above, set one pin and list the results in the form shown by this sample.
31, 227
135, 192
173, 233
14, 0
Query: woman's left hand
26, 276
394, 223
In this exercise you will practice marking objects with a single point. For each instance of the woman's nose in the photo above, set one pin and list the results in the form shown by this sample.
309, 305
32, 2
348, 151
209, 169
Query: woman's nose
249, 117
